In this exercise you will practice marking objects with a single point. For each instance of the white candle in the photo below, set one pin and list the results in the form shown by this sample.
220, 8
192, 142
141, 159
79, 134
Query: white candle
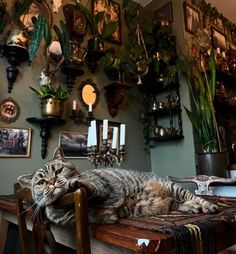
218, 50
122, 134
74, 105
114, 138
90, 107
105, 128
94, 133
223, 54
89, 137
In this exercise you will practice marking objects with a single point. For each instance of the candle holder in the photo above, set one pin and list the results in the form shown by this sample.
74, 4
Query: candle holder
90, 117
77, 116
105, 156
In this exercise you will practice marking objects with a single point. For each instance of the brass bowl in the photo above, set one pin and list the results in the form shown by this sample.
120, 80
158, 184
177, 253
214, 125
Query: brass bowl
52, 107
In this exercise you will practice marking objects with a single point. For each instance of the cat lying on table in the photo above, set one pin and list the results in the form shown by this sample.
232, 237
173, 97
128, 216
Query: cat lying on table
112, 193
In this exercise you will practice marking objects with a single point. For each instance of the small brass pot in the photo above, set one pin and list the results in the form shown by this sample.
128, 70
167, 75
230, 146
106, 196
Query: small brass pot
52, 107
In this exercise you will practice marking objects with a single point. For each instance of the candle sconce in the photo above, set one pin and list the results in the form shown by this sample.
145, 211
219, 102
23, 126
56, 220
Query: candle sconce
79, 117
105, 156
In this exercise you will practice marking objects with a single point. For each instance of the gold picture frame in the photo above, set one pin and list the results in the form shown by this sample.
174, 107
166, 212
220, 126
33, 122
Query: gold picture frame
9, 110
191, 18
15, 141
112, 13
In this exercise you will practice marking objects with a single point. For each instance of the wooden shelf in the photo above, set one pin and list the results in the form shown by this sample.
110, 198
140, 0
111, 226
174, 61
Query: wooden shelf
45, 125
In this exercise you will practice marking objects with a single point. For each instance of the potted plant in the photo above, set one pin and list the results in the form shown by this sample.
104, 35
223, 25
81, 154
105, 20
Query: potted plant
201, 82
100, 31
52, 99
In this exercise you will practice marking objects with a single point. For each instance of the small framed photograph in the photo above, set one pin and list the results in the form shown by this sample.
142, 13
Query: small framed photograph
163, 14
9, 110
74, 144
111, 126
191, 18
15, 142
112, 13
218, 39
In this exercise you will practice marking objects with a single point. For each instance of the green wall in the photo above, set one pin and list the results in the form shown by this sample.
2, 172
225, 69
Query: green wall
176, 157
10, 168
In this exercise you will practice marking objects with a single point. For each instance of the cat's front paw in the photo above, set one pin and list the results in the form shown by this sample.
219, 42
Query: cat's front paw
190, 206
208, 207
73, 185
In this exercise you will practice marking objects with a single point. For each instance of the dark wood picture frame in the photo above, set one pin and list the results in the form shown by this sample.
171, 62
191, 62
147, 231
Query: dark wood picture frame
165, 13
191, 18
112, 12
74, 144
218, 39
15, 141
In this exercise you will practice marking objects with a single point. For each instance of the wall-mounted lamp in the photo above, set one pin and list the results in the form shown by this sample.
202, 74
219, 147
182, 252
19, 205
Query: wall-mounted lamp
78, 116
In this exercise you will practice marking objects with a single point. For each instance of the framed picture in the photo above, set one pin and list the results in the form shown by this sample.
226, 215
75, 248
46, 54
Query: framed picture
191, 18
74, 144
112, 13
218, 39
165, 13
111, 125
15, 142
9, 110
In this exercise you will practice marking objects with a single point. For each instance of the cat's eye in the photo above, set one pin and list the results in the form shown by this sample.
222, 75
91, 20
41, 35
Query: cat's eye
58, 171
41, 182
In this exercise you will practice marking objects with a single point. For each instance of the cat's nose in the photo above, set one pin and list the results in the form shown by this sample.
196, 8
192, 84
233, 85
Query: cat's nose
52, 181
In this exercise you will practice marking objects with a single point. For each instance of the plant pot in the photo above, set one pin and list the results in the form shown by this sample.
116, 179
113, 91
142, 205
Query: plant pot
52, 107
213, 164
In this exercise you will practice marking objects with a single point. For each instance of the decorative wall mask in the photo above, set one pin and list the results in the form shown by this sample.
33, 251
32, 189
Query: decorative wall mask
9, 110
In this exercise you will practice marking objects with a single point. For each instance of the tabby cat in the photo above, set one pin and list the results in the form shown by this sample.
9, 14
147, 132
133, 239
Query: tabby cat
112, 193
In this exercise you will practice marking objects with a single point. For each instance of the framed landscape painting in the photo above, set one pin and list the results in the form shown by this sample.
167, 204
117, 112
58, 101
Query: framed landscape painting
15, 142
74, 144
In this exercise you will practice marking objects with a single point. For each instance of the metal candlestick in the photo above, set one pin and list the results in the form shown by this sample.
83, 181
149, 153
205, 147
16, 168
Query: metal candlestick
105, 155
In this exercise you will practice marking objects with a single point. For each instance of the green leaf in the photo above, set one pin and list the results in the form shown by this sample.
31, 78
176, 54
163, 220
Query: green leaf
22, 8
109, 29
89, 17
99, 16
38, 33
47, 34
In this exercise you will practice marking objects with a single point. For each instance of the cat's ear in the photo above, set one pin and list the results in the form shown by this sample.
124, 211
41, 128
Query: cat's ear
59, 154
25, 181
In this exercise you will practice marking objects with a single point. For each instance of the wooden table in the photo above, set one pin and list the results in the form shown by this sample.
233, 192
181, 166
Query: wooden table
138, 235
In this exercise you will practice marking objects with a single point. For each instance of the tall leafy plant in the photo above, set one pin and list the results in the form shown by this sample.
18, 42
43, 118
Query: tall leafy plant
94, 21
42, 30
201, 84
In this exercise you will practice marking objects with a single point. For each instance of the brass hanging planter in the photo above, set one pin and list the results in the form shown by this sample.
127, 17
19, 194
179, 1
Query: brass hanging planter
52, 107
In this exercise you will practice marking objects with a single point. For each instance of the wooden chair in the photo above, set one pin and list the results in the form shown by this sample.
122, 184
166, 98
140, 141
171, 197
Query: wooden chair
41, 231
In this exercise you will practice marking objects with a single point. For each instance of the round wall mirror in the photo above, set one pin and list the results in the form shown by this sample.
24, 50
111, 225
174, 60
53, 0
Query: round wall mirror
88, 93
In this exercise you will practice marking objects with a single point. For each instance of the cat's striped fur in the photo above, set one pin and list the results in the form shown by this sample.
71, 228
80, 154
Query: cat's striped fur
112, 193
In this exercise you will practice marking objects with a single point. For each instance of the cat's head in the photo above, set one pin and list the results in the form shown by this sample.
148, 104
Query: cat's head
47, 184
